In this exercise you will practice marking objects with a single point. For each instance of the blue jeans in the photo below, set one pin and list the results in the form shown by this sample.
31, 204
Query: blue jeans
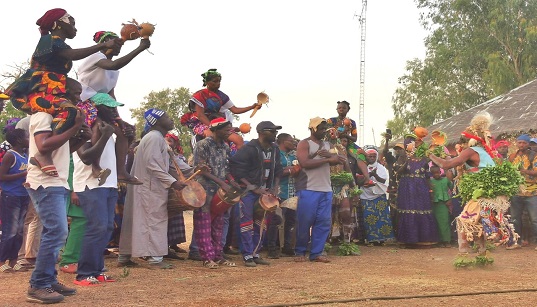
314, 210
50, 204
99, 206
12, 213
518, 204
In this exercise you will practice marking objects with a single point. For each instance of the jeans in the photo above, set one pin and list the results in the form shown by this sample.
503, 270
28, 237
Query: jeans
314, 210
12, 214
50, 205
99, 206
518, 204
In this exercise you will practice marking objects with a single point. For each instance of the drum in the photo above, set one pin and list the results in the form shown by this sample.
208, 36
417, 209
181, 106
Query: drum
290, 203
190, 198
265, 202
223, 201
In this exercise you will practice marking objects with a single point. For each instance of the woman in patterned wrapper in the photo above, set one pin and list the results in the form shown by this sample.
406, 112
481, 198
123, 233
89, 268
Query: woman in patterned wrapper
42, 88
210, 103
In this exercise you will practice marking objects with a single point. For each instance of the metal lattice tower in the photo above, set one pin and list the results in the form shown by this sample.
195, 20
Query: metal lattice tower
361, 19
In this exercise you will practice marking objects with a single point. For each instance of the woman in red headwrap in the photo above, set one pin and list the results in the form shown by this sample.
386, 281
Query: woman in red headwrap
43, 87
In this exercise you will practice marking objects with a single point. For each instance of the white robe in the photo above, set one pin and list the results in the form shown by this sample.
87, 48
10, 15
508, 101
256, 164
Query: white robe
145, 216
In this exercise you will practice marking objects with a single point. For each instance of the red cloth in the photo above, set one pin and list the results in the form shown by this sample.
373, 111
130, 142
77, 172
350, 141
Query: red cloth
46, 22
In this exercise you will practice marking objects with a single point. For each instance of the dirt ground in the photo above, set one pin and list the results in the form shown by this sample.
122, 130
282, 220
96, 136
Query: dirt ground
381, 276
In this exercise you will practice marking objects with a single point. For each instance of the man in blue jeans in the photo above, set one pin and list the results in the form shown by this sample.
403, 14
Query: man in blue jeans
314, 192
97, 200
49, 196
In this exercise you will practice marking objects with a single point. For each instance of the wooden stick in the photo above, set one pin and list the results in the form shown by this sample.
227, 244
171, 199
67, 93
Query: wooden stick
193, 175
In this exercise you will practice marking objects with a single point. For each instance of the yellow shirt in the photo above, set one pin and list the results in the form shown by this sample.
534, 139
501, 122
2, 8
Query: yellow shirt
530, 188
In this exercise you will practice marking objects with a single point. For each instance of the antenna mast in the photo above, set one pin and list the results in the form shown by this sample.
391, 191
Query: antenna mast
361, 19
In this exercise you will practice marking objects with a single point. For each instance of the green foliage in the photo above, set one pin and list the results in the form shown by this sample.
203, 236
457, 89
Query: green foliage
502, 179
341, 178
476, 50
355, 191
126, 272
8, 113
348, 249
175, 103
327, 247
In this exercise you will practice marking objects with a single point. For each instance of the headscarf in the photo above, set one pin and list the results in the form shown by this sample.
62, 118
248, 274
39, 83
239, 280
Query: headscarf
209, 74
151, 116
218, 123
178, 148
47, 22
501, 143
379, 188
100, 36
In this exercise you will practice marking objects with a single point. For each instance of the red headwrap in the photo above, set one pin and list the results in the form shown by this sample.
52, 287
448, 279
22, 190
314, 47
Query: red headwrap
501, 143
46, 22
179, 148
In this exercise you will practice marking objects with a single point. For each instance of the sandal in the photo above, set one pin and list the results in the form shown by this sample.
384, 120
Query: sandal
210, 264
50, 170
6, 269
103, 175
130, 180
225, 262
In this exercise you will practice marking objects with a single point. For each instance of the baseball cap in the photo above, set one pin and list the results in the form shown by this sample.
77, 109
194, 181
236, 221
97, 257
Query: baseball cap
106, 100
267, 125
316, 121
400, 145
534, 140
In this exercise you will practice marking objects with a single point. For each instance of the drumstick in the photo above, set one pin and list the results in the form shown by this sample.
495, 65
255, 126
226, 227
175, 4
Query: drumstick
179, 173
193, 175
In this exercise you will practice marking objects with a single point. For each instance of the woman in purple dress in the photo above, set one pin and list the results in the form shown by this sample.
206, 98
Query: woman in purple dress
416, 224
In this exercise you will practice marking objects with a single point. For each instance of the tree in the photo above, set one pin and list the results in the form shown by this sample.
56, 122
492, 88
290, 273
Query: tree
175, 103
477, 50
7, 111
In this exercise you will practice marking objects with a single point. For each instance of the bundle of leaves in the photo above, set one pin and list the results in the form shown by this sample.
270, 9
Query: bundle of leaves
348, 249
341, 178
355, 191
438, 151
501, 180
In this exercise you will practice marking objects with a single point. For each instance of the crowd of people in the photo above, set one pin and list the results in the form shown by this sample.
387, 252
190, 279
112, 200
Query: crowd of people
75, 179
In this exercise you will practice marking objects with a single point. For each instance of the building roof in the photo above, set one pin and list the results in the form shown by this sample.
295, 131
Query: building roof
513, 113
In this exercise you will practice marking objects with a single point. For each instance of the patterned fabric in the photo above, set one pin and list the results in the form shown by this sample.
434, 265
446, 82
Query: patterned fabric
415, 220
528, 162
176, 229
287, 183
378, 223
42, 87
208, 234
209, 100
213, 154
89, 110
337, 123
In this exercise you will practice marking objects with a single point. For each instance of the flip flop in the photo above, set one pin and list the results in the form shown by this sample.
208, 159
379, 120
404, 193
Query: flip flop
210, 264
49, 170
131, 180
103, 175
225, 262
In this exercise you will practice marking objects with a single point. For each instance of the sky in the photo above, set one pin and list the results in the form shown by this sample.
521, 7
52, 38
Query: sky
304, 54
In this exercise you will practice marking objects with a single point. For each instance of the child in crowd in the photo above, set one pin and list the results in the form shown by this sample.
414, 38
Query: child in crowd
440, 196
15, 199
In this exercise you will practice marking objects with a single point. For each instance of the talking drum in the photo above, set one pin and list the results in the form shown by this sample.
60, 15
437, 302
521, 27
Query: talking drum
265, 202
222, 201
190, 197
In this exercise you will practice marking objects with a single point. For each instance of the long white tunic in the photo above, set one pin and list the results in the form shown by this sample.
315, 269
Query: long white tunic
145, 216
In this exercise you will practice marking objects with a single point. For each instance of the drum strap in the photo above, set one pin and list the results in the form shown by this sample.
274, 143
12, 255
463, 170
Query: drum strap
260, 232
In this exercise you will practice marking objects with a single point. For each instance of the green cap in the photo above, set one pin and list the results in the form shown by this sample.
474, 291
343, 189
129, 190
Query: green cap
105, 99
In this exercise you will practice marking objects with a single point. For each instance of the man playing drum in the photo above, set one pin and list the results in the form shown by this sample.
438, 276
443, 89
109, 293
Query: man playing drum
213, 152
256, 163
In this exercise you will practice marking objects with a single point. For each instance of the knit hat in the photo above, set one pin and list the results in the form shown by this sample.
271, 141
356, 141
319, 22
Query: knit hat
151, 116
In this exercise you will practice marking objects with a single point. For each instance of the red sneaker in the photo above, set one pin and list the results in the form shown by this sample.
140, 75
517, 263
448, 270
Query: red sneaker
69, 268
89, 281
105, 278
